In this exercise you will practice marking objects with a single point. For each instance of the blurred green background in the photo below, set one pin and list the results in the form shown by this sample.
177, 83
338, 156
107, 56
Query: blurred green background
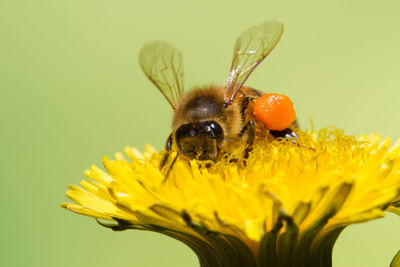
72, 91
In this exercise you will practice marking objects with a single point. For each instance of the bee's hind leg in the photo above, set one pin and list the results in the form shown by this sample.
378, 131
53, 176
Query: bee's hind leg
287, 134
291, 136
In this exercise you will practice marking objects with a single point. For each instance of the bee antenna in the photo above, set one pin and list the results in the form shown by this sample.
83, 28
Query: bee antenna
170, 167
227, 103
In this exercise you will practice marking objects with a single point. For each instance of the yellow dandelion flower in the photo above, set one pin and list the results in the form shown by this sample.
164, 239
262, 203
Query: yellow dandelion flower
285, 206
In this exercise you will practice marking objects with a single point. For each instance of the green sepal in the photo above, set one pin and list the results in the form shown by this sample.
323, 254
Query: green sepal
267, 255
232, 251
287, 244
394, 209
396, 260
306, 255
321, 255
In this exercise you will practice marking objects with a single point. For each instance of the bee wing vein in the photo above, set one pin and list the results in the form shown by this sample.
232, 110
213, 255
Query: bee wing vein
163, 65
251, 47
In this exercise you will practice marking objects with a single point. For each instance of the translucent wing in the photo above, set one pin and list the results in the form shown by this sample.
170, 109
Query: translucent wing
162, 64
251, 47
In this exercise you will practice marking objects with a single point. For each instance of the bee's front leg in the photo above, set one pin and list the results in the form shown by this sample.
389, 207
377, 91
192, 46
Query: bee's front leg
168, 146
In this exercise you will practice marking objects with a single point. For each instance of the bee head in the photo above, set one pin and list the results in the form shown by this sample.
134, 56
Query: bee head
201, 140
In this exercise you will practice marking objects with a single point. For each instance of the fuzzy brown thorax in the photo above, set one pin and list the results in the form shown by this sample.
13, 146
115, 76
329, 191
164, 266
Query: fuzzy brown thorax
204, 104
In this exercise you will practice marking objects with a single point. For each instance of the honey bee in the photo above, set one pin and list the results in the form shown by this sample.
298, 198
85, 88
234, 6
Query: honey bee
213, 120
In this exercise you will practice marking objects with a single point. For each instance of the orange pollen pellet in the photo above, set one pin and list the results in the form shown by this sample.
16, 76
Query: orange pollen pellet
275, 111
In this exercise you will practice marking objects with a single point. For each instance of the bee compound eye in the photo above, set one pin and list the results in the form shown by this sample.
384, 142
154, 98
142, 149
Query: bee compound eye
215, 129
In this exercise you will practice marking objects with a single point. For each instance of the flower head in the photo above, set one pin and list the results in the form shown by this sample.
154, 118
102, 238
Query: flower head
284, 204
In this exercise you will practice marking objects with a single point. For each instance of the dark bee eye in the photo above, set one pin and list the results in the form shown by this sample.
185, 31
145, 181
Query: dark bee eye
186, 133
215, 129
203, 128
